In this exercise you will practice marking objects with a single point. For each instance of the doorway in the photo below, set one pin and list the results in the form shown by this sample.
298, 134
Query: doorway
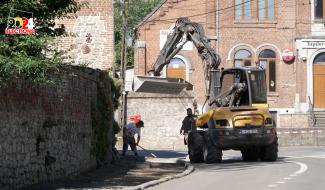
176, 69
319, 80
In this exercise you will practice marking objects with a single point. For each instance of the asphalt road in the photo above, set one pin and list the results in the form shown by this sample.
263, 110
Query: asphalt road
298, 168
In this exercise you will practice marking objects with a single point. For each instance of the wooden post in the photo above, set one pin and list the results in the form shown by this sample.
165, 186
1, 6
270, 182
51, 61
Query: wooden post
123, 62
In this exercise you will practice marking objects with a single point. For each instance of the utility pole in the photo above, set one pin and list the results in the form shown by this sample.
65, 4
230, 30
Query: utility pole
123, 62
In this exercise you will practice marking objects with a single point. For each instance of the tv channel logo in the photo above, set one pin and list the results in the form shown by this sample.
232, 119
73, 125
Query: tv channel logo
20, 22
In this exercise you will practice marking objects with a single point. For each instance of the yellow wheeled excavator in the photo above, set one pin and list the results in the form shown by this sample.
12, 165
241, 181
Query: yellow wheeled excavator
237, 115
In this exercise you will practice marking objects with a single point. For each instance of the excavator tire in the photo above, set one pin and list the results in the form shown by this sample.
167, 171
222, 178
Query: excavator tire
250, 154
195, 147
211, 153
270, 152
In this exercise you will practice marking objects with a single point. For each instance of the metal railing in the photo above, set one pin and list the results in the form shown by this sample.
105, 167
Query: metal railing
311, 113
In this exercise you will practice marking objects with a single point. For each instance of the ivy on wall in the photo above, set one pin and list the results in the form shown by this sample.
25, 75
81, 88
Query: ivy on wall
103, 123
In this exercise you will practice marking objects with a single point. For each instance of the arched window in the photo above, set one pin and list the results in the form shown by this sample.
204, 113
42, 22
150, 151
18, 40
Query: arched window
320, 58
176, 69
267, 60
243, 58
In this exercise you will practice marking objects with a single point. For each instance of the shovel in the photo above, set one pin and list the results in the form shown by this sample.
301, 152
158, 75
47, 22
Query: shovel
152, 154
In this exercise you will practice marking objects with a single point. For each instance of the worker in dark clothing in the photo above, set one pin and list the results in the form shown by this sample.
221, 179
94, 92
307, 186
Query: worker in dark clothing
187, 124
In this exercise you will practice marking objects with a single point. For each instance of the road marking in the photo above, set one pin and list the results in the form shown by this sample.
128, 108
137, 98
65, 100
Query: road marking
303, 168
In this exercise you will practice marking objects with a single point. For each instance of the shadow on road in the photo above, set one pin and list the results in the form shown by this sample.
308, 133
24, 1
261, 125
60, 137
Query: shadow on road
162, 153
128, 171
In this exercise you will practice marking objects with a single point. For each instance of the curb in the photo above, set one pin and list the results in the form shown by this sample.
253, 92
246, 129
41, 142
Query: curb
189, 169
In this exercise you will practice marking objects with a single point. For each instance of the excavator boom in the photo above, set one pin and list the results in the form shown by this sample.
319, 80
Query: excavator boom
192, 32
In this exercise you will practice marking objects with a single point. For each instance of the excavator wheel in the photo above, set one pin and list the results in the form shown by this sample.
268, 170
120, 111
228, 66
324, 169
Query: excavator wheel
195, 147
211, 153
250, 154
270, 152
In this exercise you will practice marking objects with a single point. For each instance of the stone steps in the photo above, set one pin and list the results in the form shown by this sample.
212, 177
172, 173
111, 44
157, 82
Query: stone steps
319, 118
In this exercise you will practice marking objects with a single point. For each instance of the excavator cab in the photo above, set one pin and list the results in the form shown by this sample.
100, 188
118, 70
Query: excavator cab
241, 86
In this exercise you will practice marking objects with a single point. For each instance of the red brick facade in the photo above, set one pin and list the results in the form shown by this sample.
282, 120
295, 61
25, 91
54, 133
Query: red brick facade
292, 20
93, 30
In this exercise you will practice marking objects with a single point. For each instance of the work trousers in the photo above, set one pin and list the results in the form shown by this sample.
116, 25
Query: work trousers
129, 141
185, 138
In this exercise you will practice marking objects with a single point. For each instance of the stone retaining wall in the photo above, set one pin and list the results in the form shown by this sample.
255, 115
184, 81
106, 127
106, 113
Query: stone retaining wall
162, 116
46, 131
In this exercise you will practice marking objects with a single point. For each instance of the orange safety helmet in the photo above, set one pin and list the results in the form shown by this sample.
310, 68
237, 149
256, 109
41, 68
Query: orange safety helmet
135, 118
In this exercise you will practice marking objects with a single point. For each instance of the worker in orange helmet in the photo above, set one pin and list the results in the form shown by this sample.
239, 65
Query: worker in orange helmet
129, 132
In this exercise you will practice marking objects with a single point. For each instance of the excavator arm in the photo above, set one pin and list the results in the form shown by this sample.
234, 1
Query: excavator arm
193, 32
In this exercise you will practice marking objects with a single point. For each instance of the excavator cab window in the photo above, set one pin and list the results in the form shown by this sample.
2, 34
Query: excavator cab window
232, 79
227, 82
237, 78
258, 86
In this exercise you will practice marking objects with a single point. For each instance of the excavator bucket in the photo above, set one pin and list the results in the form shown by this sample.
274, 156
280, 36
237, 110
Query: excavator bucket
158, 85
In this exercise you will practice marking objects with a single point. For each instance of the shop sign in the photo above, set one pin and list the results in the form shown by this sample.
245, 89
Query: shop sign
163, 39
313, 44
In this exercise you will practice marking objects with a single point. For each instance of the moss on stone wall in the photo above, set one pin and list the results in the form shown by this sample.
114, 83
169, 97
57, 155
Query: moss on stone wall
103, 118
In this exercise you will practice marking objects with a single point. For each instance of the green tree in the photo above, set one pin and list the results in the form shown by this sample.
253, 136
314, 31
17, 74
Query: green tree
33, 56
138, 10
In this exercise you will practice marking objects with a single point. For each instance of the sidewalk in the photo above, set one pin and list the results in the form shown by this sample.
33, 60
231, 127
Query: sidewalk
129, 172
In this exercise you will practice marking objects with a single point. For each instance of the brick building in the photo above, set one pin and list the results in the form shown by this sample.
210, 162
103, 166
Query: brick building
255, 32
92, 42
